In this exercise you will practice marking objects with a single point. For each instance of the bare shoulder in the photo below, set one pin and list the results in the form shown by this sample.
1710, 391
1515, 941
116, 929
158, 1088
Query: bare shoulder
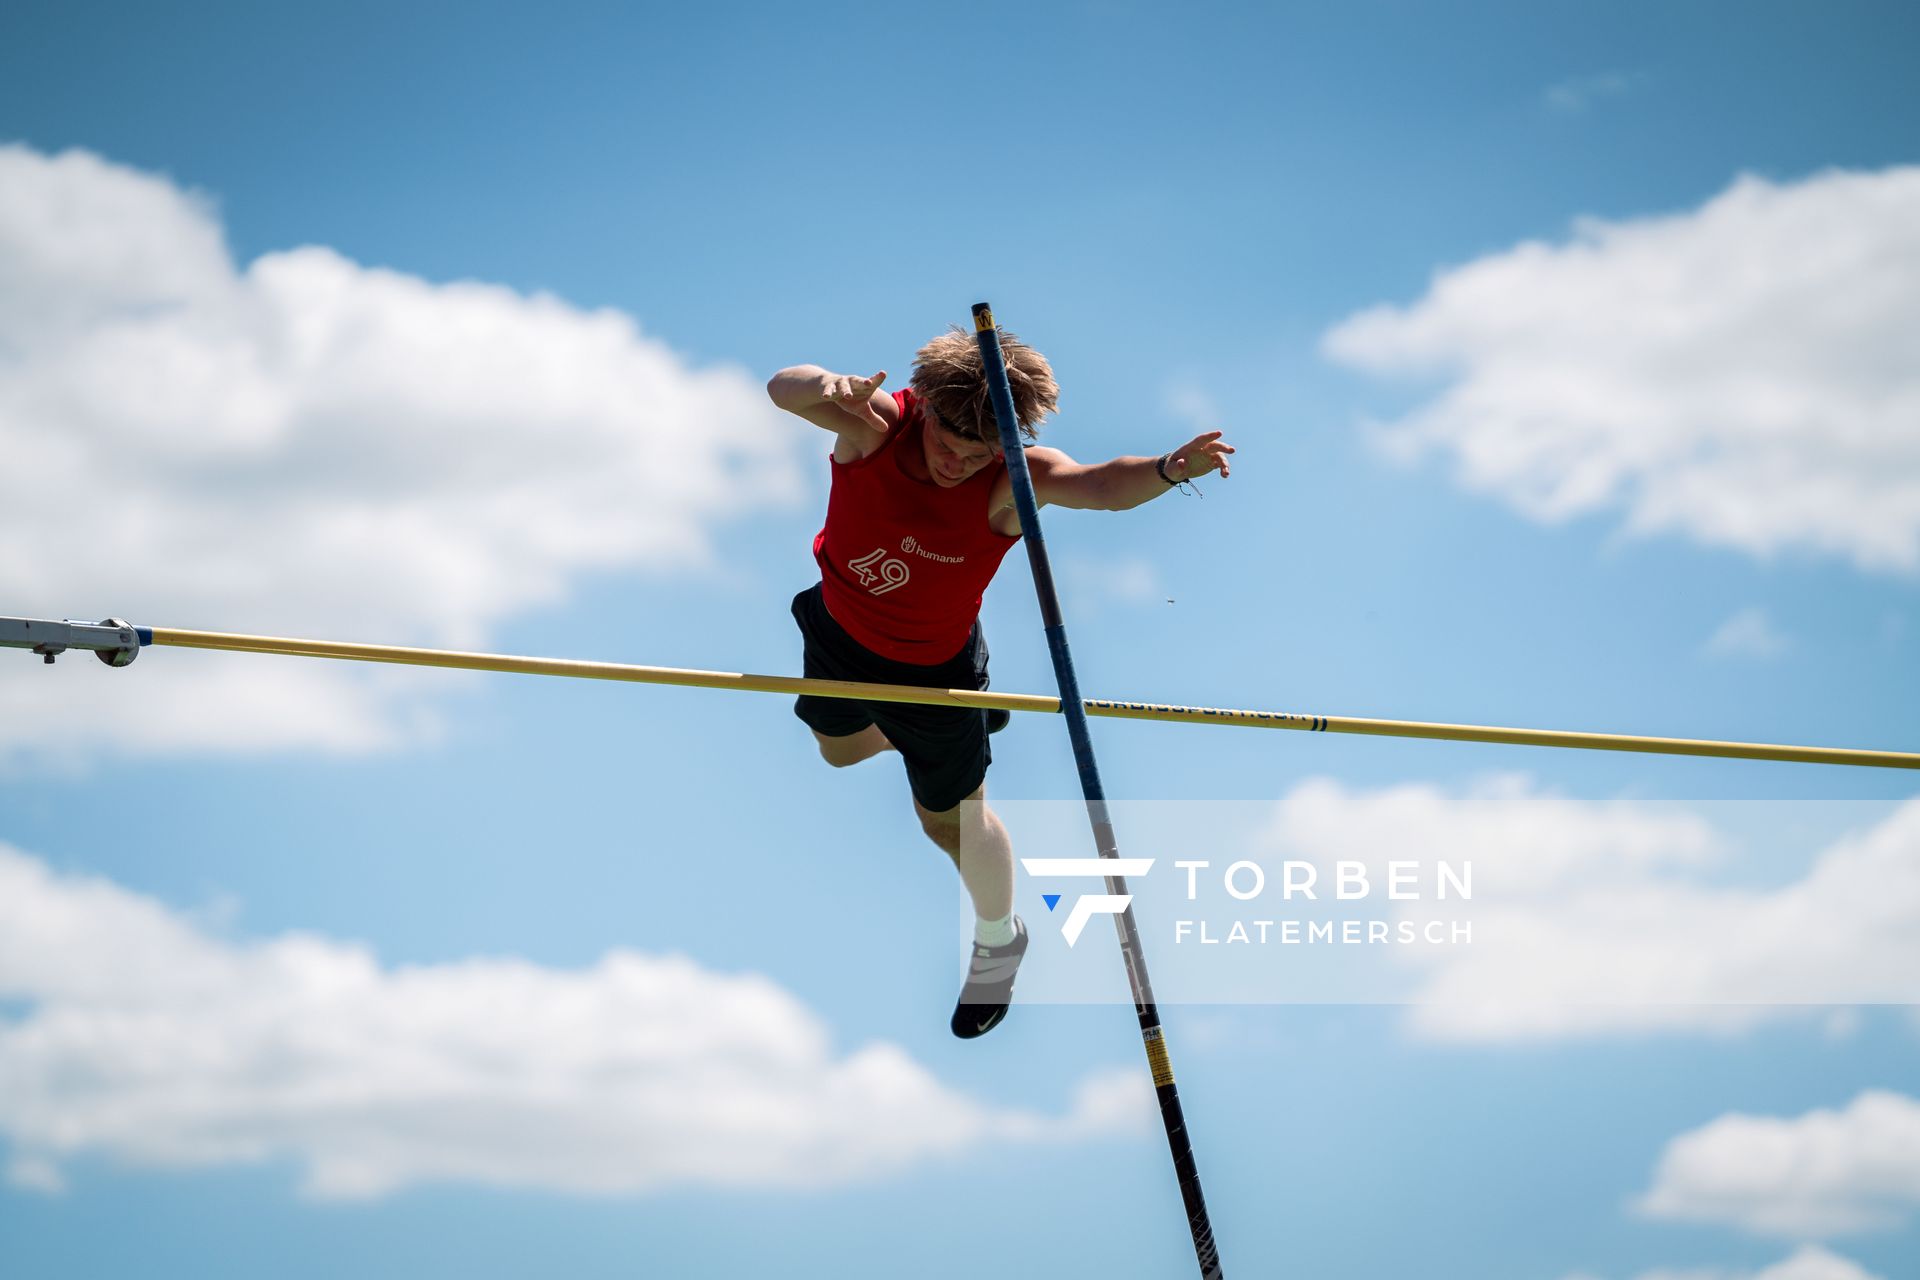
1044, 460
857, 440
1043, 464
1051, 467
1050, 470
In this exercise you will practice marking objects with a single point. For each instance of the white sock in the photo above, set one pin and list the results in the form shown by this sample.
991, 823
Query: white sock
993, 933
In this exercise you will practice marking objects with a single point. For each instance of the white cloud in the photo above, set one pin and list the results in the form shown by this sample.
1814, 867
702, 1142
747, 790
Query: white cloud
1747, 634
1194, 405
32, 1173
154, 1043
1810, 1262
1825, 1173
1575, 95
1741, 374
313, 447
1088, 585
1615, 917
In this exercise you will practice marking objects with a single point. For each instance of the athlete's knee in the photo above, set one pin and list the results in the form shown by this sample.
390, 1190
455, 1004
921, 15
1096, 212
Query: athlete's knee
851, 748
942, 826
837, 752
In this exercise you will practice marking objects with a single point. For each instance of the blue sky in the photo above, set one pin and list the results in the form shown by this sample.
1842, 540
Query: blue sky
1568, 355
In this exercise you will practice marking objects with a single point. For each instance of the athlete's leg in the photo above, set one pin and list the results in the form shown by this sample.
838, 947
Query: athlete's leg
853, 747
972, 835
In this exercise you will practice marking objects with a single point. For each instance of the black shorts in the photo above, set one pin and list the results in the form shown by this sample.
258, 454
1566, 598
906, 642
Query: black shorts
945, 748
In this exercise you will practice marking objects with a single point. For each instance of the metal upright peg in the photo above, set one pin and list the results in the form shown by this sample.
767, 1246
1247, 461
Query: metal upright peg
114, 641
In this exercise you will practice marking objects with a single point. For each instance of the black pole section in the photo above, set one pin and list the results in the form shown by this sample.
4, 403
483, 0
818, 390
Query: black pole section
1130, 951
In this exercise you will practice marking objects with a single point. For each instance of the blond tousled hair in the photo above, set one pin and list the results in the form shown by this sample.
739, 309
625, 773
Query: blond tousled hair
948, 376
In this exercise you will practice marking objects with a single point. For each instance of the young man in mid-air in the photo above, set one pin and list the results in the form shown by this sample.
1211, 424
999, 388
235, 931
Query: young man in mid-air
920, 514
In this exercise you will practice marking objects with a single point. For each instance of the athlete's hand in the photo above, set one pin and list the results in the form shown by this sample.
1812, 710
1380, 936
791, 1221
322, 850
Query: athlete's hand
854, 397
1198, 456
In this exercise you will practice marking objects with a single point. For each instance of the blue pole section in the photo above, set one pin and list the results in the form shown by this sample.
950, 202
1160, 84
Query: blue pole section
1151, 1034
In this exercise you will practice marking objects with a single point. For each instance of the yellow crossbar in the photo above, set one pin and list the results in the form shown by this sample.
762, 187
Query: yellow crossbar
1027, 702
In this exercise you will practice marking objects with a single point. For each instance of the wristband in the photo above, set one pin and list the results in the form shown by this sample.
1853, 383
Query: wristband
1184, 486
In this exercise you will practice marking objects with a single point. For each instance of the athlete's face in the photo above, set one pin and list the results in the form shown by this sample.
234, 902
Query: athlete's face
953, 459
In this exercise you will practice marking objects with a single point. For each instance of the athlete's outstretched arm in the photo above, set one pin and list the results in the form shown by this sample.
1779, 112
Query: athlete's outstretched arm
837, 401
1123, 483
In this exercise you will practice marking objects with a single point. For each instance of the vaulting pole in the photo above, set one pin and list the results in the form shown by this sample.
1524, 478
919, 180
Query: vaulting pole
117, 643
1204, 1249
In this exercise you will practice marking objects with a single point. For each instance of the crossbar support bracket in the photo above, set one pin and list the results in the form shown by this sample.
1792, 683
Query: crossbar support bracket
113, 641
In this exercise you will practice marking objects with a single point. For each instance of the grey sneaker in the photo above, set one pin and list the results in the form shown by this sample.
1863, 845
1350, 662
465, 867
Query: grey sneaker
989, 988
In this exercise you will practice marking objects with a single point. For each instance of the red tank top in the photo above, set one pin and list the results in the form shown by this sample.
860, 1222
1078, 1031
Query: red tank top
904, 562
